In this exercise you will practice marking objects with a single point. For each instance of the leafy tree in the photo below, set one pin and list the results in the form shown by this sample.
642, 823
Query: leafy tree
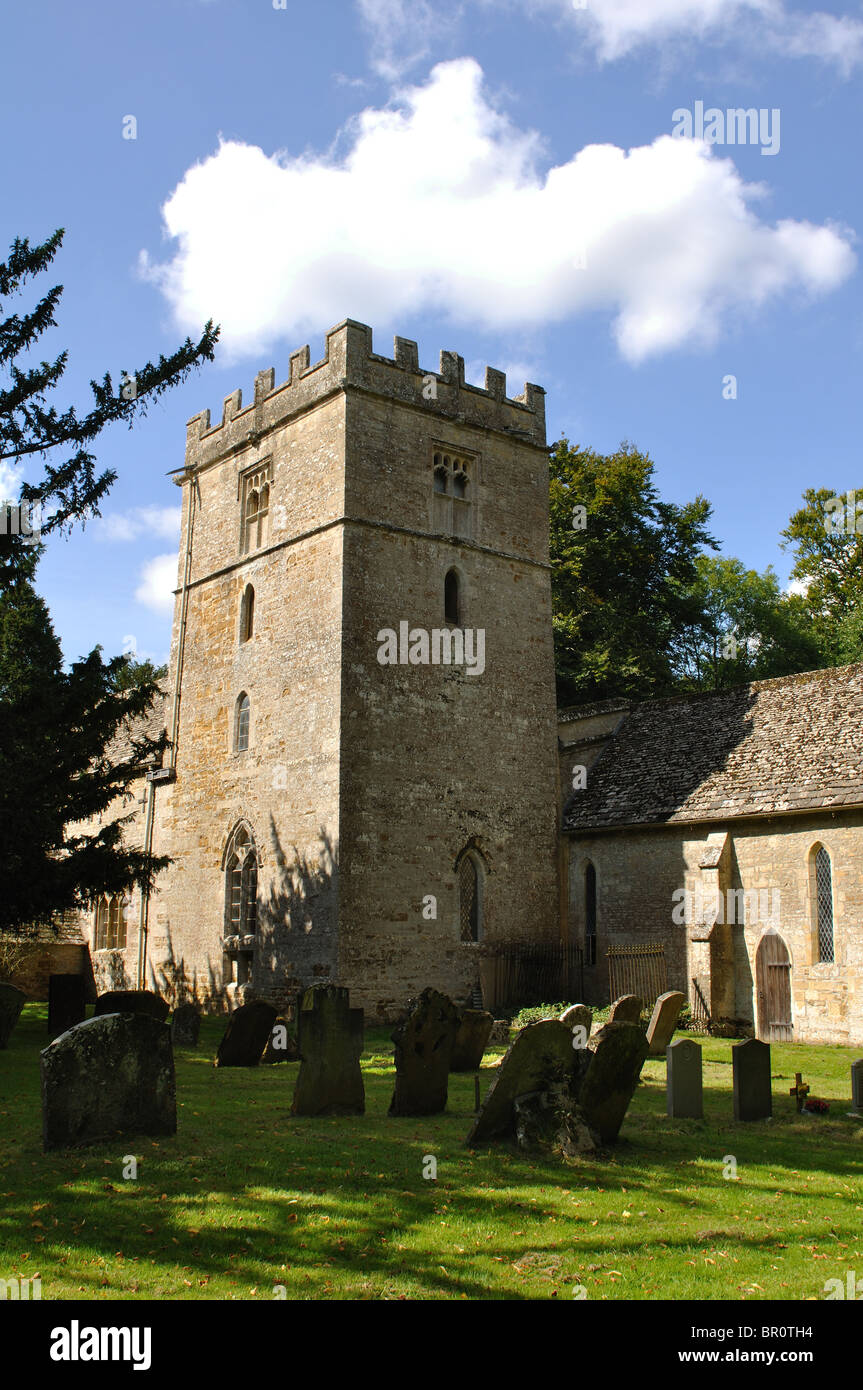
623, 573
61, 761
133, 673
827, 536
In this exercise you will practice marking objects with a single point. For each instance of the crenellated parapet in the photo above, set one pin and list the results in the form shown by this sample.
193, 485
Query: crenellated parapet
350, 363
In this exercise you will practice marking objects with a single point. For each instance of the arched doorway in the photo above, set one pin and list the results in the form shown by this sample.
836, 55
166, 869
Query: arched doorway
773, 988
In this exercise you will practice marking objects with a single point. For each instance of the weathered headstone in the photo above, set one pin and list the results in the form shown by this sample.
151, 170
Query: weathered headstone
617, 1054
111, 1075
331, 1041
684, 1091
471, 1040
500, 1031
185, 1025
424, 1042
12, 1001
626, 1009
663, 1021
281, 1044
66, 1003
857, 1088
578, 1016
540, 1056
131, 1001
753, 1099
246, 1035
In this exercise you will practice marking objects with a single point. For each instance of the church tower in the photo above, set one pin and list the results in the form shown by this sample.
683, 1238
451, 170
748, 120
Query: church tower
363, 779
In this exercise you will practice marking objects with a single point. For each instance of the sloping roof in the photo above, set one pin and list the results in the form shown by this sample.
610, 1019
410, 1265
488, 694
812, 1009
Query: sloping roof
773, 746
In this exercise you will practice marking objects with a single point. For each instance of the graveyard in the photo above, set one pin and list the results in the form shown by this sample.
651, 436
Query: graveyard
248, 1200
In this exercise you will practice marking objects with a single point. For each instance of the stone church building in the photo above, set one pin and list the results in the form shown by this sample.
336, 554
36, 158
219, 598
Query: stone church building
368, 781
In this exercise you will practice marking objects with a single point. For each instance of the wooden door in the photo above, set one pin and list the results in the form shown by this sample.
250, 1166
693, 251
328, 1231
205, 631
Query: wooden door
773, 986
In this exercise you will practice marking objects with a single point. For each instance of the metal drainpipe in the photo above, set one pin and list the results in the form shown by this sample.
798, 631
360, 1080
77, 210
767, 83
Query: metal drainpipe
144, 924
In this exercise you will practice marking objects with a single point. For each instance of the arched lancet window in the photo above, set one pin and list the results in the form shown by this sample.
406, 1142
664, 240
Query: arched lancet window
110, 923
452, 598
263, 516
241, 735
590, 915
469, 897
824, 905
247, 614
241, 900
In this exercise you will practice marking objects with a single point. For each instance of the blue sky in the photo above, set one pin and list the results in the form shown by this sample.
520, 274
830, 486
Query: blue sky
500, 179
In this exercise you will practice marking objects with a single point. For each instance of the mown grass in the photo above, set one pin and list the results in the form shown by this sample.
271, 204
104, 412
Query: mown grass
246, 1198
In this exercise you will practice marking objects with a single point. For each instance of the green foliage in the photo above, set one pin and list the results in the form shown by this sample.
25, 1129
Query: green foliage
828, 563
536, 1013
621, 584
132, 674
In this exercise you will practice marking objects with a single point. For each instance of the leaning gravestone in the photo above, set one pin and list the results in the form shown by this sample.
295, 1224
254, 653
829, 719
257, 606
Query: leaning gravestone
131, 1001
685, 1098
185, 1025
111, 1075
617, 1054
578, 1016
626, 1009
66, 1003
331, 1042
857, 1088
424, 1042
663, 1021
281, 1044
753, 1099
12, 1001
471, 1040
246, 1035
540, 1056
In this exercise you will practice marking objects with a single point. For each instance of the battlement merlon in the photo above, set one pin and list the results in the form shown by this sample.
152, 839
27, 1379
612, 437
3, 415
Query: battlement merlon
350, 362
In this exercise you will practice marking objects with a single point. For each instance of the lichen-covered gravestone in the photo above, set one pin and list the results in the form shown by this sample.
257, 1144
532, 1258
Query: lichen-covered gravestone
246, 1035
185, 1025
626, 1009
617, 1055
753, 1099
12, 1001
540, 1057
471, 1040
330, 1081
578, 1016
424, 1043
663, 1021
132, 1001
111, 1075
684, 1093
66, 1003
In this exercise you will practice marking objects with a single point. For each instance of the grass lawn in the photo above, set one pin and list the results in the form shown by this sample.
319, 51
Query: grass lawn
245, 1197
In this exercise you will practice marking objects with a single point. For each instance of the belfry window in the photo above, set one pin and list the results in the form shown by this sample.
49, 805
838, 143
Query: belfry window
452, 492
255, 495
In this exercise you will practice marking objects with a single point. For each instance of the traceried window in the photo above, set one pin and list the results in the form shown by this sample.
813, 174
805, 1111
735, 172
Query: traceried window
452, 489
824, 890
469, 898
255, 495
590, 915
241, 735
247, 614
110, 923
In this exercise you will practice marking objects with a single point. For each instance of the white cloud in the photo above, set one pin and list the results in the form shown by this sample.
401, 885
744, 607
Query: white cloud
162, 522
158, 580
401, 32
441, 204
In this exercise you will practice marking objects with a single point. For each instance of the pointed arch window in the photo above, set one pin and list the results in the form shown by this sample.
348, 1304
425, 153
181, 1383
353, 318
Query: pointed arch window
256, 508
470, 895
110, 923
243, 716
590, 915
824, 905
247, 614
452, 598
241, 885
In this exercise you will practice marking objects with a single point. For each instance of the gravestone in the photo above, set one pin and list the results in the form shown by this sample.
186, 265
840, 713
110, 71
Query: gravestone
626, 1009
616, 1054
281, 1044
111, 1075
578, 1016
424, 1042
857, 1088
12, 1001
663, 1021
185, 1025
753, 1099
131, 1001
540, 1056
331, 1041
471, 1040
66, 1003
685, 1098
246, 1035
